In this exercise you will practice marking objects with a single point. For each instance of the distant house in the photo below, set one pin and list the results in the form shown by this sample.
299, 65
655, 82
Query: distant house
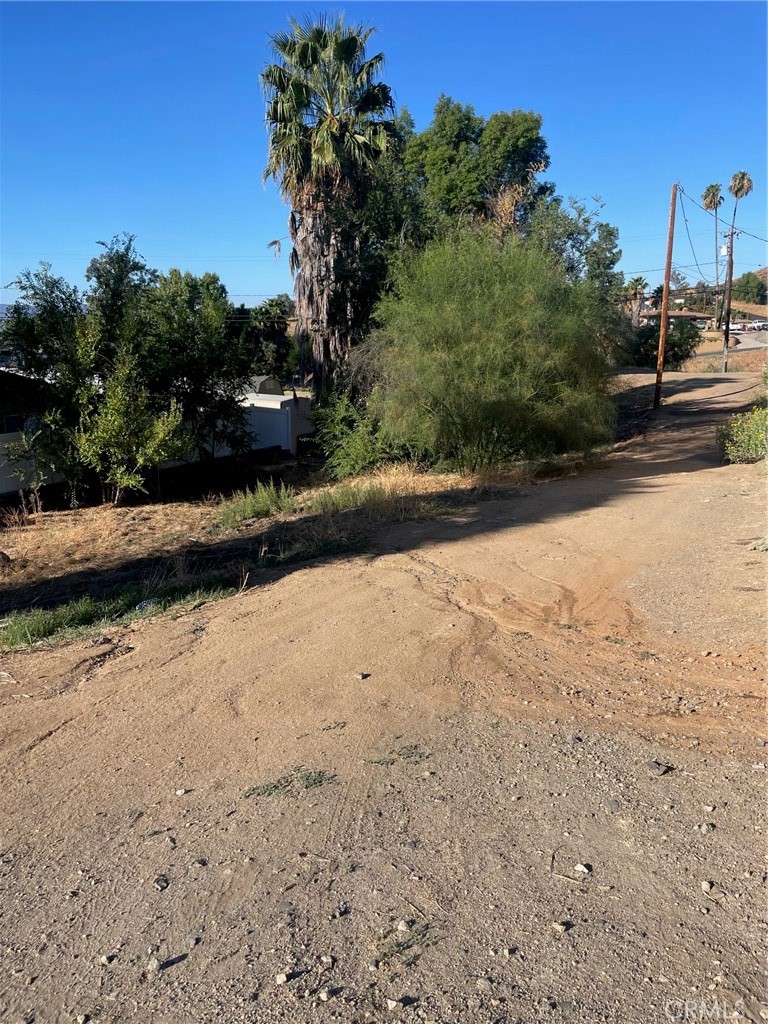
265, 386
274, 419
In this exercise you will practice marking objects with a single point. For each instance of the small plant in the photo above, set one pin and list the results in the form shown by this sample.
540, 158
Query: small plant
124, 438
288, 785
313, 778
264, 500
271, 788
405, 947
745, 437
411, 752
342, 498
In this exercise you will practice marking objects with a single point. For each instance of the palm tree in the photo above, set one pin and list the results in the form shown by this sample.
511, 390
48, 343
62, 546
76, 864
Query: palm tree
740, 186
712, 200
328, 119
635, 291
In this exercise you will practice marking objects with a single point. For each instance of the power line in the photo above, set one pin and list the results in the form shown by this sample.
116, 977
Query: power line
150, 259
679, 266
741, 231
690, 241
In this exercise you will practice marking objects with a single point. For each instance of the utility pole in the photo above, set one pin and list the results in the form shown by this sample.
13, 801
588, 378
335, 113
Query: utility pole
665, 299
727, 314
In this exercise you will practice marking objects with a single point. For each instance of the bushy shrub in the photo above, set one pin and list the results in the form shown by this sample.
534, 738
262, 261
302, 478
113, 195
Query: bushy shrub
490, 354
745, 437
681, 342
350, 438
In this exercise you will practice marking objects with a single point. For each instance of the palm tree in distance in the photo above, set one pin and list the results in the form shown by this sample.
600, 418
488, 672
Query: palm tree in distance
329, 120
635, 291
712, 200
740, 187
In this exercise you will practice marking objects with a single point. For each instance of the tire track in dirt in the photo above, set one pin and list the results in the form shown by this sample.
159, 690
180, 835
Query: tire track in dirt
559, 668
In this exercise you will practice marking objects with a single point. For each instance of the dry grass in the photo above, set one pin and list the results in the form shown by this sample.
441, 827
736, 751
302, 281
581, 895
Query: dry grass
70, 571
56, 544
738, 362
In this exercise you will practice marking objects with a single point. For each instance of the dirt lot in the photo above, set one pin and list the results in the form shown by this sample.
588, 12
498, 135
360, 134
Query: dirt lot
504, 767
709, 354
751, 361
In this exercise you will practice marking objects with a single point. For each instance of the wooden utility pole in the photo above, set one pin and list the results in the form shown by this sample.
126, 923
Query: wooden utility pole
665, 299
727, 313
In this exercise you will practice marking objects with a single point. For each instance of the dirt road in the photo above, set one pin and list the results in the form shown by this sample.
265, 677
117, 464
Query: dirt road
505, 768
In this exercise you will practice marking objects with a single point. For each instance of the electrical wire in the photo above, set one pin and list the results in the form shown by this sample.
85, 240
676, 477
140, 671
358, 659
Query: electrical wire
710, 213
690, 240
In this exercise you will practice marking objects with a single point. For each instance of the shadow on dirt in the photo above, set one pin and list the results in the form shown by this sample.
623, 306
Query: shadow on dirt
263, 551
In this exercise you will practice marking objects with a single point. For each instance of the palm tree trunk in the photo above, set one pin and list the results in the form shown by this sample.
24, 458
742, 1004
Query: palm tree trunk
718, 304
324, 309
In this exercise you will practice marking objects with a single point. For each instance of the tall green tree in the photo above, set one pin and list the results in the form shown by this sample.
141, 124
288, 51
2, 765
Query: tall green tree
392, 216
48, 333
187, 354
262, 331
601, 257
462, 161
118, 277
749, 288
584, 245
330, 120
42, 324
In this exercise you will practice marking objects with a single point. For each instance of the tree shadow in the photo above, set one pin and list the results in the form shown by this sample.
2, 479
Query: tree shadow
267, 550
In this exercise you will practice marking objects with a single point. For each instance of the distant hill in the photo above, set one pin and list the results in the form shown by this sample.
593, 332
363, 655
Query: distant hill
763, 275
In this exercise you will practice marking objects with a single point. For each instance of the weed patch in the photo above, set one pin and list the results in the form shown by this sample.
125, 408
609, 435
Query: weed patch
411, 752
291, 783
72, 619
257, 503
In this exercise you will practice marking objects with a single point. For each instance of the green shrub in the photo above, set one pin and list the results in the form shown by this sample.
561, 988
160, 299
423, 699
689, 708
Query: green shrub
681, 342
350, 438
490, 354
264, 500
745, 437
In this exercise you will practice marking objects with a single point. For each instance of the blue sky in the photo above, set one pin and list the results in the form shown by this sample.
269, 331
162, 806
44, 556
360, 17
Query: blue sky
148, 117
